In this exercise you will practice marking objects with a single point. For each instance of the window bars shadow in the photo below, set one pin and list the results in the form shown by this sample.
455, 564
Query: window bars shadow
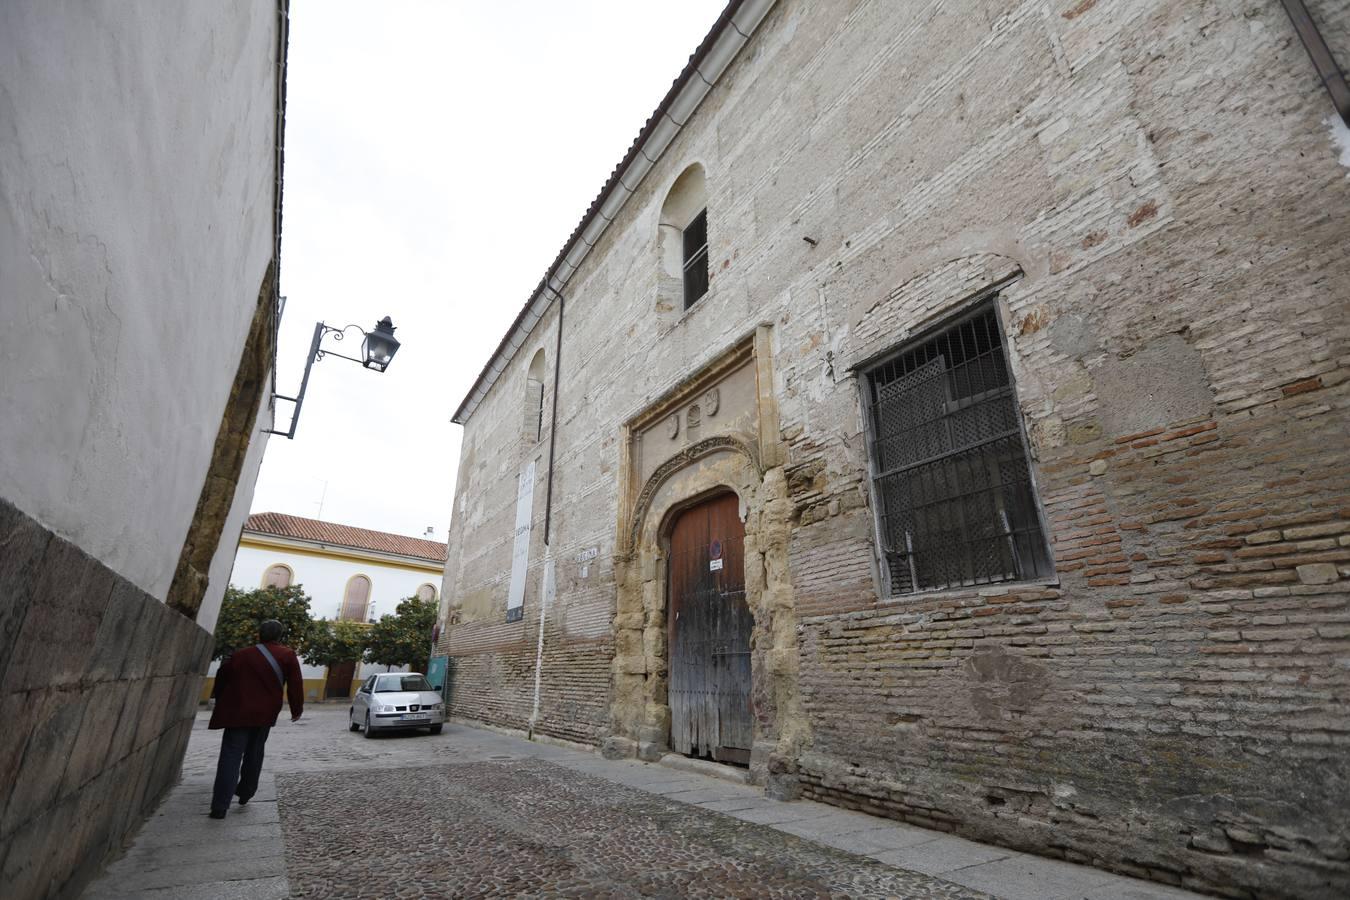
952, 483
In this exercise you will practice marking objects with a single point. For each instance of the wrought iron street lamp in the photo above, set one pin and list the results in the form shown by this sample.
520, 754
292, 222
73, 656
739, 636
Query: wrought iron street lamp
378, 347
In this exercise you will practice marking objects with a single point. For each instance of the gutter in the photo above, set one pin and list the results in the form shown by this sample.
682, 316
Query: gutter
278, 186
714, 55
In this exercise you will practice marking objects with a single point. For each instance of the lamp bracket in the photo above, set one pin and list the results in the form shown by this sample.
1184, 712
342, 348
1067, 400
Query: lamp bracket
316, 352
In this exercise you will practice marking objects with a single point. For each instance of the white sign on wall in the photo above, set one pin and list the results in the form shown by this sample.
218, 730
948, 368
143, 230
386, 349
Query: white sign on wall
520, 552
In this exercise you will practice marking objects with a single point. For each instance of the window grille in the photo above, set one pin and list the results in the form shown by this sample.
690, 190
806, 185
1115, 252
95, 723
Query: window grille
696, 259
953, 489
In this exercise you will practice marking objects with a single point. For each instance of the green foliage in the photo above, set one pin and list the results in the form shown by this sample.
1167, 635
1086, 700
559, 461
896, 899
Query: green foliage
242, 611
403, 638
331, 643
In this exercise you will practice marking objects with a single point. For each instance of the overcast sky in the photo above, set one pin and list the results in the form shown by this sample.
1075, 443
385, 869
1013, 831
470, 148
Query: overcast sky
437, 156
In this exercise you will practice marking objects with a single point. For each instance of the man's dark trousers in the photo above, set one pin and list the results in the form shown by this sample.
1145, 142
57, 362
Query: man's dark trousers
241, 760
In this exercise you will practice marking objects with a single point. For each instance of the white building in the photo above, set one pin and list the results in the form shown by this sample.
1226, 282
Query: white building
356, 574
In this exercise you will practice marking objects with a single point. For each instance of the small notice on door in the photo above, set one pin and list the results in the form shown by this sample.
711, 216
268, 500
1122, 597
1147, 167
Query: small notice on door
714, 565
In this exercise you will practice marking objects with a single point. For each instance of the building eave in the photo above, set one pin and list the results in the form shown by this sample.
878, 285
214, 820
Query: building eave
729, 34
324, 548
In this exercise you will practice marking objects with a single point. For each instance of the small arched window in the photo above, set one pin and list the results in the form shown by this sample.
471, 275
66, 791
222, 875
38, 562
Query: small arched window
533, 424
356, 599
426, 593
278, 576
684, 234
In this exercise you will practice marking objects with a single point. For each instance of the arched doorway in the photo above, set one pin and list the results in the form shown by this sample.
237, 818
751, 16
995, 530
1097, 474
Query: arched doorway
708, 627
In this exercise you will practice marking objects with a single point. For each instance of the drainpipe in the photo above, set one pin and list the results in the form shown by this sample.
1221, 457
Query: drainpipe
1333, 79
549, 579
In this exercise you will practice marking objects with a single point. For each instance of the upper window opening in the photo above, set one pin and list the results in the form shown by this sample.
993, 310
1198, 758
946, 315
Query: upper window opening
696, 259
356, 599
533, 423
426, 593
955, 500
684, 235
278, 576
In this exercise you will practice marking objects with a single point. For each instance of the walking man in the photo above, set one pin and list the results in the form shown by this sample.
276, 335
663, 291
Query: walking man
248, 700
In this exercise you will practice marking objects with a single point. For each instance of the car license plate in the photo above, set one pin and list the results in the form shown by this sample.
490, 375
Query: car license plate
417, 717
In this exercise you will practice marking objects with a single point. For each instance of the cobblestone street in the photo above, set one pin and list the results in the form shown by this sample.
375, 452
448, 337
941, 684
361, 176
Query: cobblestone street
473, 813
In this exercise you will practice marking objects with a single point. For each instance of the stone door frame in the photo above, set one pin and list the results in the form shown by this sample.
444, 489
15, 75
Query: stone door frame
751, 467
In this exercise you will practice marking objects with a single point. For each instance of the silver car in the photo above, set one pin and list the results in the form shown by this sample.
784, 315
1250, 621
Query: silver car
396, 700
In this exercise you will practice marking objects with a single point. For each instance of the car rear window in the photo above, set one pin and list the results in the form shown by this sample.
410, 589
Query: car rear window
390, 683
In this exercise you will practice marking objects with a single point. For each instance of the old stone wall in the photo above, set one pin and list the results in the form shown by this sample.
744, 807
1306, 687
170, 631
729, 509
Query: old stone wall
100, 684
1156, 191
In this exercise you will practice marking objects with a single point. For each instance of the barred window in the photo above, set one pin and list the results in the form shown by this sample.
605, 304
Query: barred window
952, 485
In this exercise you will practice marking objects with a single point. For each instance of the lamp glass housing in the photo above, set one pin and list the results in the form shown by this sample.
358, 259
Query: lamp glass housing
380, 345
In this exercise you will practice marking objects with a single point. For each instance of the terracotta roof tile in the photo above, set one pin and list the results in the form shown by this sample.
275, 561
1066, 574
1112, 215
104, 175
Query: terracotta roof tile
282, 525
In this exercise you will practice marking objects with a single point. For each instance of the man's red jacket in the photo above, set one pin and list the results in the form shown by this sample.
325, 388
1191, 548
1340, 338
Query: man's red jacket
248, 694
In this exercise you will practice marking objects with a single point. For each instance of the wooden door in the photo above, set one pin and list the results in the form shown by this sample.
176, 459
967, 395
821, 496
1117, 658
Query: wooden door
709, 625
339, 683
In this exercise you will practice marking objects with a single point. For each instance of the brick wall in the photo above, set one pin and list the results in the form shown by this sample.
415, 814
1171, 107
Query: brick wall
100, 689
1157, 188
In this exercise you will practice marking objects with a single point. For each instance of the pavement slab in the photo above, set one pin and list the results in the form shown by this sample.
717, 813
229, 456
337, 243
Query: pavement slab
497, 815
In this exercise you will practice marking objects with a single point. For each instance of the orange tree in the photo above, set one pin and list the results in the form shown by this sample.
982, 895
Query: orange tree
242, 612
403, 638
331, 643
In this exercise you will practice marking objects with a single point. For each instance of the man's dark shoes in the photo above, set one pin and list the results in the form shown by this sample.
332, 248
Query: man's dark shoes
217, 814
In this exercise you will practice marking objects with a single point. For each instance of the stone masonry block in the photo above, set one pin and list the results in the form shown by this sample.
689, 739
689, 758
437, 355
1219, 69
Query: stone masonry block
153, 715
88, 755
1318, 573
29, 863
615, 747
22, 545
116, 636
69, 599
85, 845
141, 646
128, 724
201, 652
168, 652
55, 731
20, 711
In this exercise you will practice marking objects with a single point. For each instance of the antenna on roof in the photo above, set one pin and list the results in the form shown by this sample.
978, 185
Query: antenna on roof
431, 531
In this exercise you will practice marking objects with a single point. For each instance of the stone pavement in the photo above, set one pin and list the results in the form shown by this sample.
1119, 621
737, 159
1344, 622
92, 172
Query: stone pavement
476, 813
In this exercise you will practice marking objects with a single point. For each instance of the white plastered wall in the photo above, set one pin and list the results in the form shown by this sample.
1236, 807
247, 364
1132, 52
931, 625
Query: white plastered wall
136, 202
